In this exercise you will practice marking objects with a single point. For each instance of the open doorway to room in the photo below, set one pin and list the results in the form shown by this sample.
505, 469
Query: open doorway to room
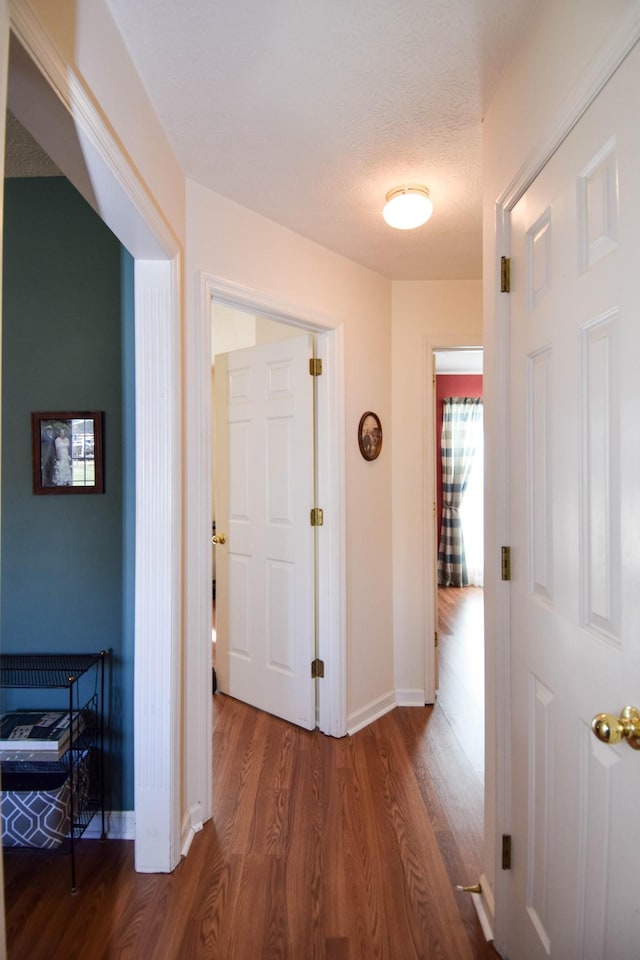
459, 459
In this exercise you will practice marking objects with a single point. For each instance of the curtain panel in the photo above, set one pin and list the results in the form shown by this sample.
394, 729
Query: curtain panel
460, 432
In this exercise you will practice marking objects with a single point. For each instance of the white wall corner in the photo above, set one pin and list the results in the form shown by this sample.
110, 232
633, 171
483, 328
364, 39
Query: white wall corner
370, 712
410, 697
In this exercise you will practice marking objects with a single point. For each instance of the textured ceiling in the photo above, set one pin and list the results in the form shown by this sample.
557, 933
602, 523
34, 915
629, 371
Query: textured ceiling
23, 156
309, 111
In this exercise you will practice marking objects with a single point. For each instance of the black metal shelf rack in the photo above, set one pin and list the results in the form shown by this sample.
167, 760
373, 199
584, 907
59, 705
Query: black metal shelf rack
64, 671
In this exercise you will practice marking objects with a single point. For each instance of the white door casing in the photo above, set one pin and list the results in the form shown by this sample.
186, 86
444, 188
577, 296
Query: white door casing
266, 637
431, 533
575, 607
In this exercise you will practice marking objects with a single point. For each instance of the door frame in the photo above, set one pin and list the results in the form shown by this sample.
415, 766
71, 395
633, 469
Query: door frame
495, 897
331, 569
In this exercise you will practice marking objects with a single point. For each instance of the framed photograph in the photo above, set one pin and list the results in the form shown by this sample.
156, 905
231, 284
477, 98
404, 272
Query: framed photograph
67, 452
370, 435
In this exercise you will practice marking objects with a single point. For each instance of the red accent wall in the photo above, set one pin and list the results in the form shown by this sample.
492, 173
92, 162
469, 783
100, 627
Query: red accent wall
451, 385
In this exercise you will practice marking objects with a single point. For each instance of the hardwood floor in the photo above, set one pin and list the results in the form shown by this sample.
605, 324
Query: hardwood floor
461, 660
319, 849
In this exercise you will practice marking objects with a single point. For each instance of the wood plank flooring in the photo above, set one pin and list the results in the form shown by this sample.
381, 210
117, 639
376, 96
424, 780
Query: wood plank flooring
461, 648
319, 849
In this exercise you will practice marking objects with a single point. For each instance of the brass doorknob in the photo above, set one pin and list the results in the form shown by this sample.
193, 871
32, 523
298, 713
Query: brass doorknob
219, 539
611, 729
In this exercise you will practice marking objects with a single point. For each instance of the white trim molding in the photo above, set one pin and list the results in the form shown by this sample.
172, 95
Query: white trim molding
158, 568
485, 908
371, 711
114, 187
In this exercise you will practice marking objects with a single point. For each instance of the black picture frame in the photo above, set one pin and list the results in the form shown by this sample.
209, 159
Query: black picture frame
67, 452
370, 435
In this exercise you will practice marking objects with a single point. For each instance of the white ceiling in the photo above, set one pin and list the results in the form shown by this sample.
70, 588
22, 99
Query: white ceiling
309, 111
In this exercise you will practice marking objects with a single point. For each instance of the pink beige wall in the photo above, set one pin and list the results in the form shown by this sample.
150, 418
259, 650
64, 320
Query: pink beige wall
426, 316
238, 246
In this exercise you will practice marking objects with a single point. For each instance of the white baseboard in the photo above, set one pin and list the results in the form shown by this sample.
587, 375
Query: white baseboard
485, 907
410, 698
373, 711
119, 825
192, 823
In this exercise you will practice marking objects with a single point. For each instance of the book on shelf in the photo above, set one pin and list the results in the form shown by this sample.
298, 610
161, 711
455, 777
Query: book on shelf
43, 732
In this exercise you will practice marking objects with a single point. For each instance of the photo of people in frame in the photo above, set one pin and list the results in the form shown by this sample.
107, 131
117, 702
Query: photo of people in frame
55, 453
67, 452
370, 435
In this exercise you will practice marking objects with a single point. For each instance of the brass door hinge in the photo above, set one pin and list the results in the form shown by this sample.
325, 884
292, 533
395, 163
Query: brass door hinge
315, 367
317, 517
435, 637
317, 669
505, 274
506, 851
505, 563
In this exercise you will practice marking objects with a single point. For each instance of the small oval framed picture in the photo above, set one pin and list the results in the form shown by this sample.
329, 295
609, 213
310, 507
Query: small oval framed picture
370, 435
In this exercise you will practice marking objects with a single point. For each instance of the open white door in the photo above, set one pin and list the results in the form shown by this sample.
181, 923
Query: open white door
575, 509
265, 594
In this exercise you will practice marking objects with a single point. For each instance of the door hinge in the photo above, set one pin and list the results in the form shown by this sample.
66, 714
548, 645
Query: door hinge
505, 274
506, 851
315, 366
317, 669
317, 517
435, 638
506, 563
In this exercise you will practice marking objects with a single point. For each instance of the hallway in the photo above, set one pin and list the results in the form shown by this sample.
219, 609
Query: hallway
319, 849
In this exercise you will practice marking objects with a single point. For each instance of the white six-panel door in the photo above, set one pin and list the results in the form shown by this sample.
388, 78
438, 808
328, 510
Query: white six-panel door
575, 521
265, 487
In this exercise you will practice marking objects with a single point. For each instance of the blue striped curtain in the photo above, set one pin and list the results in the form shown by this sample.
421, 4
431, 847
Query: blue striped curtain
459, 420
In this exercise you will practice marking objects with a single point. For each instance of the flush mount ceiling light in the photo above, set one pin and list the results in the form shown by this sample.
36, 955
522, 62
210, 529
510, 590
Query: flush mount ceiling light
407, 207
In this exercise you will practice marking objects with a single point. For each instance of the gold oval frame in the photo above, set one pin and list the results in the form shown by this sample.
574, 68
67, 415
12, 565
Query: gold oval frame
370, 435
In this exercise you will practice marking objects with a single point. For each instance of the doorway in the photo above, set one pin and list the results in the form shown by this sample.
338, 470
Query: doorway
460, 584
330, 495
263, 443
63, 124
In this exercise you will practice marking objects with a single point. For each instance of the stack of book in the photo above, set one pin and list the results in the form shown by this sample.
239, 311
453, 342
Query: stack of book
36, 735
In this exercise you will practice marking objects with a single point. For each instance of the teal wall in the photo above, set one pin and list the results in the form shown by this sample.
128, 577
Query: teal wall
67, 344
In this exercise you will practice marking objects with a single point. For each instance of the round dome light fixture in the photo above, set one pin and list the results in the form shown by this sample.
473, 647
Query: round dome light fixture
407, 207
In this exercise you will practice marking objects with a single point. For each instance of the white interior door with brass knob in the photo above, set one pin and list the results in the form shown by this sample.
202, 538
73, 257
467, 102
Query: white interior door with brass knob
265, 573
575, 548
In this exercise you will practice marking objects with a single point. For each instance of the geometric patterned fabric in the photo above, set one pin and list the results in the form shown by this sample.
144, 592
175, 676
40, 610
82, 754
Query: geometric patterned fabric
42, 817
